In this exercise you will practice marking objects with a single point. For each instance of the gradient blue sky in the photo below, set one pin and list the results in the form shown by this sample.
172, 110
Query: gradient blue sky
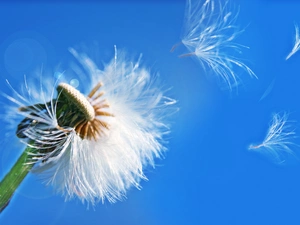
207, 177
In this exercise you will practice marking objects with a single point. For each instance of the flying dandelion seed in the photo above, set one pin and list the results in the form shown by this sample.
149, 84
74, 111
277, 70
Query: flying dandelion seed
296, 44
95, 145
209, 34
279, 139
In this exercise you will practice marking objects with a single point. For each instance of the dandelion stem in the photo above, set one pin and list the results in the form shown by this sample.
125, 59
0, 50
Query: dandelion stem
15, 176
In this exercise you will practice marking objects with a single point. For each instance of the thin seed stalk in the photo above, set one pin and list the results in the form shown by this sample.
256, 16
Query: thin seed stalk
14, 177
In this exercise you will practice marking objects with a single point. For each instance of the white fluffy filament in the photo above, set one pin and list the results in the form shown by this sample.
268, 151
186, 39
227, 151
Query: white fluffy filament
209, 34
279, 139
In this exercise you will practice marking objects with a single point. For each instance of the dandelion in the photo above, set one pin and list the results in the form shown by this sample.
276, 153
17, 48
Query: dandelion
296, 44
209, 33
278, 141
95, 145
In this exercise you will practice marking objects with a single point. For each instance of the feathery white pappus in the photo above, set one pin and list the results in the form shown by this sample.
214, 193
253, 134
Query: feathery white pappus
96, 145
278, 142
296, 46
209, 33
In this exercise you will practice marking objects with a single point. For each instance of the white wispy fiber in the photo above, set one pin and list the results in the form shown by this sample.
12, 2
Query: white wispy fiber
278, 142
104, 165
209, 34
296, 43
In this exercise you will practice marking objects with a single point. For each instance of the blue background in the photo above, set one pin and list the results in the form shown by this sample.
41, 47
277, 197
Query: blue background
208, 176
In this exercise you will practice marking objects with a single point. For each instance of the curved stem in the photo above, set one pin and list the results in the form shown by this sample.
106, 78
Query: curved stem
15, 176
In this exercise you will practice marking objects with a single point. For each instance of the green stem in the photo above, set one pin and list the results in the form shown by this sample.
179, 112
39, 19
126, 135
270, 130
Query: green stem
15, 176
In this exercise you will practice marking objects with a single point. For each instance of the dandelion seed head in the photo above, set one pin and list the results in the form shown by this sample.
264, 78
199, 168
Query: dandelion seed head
95, 145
